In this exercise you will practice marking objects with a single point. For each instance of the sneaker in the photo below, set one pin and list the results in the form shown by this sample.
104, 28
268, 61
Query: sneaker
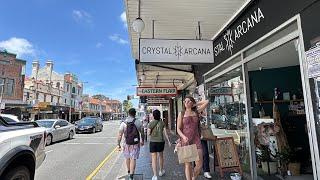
154, 178
161, 173
207, 175
131, 177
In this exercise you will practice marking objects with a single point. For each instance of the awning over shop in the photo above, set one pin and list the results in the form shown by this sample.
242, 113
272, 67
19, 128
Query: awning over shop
180, 19
179, 76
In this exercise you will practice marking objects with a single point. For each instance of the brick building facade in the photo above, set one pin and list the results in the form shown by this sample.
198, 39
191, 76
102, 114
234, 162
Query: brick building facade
12, 74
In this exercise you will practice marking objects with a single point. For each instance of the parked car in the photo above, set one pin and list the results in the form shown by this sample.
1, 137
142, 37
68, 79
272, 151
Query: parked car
9, 118
89, 124
22, 149
57, 129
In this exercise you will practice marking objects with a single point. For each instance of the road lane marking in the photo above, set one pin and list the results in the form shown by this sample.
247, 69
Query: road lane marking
101, 164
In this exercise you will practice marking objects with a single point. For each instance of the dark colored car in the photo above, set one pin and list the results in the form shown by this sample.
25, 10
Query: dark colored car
89, 124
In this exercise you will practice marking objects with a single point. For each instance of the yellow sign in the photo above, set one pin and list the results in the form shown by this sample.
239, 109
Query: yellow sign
43, 105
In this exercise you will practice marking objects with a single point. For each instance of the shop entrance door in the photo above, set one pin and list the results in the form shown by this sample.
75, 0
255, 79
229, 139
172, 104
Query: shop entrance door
278, 110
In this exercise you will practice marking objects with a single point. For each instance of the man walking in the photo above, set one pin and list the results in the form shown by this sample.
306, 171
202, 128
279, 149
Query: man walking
133, 132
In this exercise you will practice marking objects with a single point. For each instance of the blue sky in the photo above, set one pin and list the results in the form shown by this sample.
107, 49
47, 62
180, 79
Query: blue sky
86, 37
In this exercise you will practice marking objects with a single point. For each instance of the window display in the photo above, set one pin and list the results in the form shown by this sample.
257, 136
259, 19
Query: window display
227, 112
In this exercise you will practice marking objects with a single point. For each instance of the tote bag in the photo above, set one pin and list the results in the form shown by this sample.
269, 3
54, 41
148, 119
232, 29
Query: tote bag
188, 153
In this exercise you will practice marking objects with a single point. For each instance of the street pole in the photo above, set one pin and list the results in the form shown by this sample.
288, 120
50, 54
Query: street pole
70, 111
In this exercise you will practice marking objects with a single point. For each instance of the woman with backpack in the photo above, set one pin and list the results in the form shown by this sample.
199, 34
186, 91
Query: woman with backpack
189, 132
157, 130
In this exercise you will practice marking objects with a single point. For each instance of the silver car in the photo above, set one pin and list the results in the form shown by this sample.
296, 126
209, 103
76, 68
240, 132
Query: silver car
57, 129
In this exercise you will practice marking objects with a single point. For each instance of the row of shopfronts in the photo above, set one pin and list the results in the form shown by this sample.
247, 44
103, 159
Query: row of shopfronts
263, 86
41, 110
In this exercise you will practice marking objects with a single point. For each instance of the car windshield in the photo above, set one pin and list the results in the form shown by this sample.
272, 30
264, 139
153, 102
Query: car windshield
87, 121
46, 124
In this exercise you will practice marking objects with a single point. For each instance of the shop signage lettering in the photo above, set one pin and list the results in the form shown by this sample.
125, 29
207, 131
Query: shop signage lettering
148, 91
313, 62
220, 91
158, 101
176, 51
232, 35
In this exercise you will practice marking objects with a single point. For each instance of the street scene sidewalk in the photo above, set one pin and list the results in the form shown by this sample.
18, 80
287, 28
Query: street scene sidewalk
173, 169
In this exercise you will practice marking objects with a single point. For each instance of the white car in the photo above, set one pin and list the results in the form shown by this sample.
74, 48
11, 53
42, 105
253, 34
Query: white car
57, 129
22, 149
10, 118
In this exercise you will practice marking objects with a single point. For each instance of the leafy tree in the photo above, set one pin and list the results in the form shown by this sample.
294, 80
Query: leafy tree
127, 105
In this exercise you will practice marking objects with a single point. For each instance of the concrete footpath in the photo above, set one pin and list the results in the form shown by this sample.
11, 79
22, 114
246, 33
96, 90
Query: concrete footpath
173, 169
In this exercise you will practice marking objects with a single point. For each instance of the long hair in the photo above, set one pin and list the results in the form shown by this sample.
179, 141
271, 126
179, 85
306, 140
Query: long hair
194, 108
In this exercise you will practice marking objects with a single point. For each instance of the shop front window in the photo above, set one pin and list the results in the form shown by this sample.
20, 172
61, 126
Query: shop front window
278, 112
227, 113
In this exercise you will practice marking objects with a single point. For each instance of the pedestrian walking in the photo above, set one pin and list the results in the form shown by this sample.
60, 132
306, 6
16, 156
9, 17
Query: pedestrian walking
157, 131
133, 132
205, 150
189, 132
146, 121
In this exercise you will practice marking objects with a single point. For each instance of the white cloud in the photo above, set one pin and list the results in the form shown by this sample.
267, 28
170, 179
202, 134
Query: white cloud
81, 16
19, 46
99, 45
118, 39
123, 18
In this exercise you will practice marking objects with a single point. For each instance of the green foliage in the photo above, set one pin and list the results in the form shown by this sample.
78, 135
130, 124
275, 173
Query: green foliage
127, 105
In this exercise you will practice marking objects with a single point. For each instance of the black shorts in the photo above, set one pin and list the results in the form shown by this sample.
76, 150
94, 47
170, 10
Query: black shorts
156, 147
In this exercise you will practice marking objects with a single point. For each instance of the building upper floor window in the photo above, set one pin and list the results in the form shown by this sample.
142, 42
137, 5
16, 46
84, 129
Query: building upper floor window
2, 85
9, 87
58, 85
67, 87
44, 98
73, 90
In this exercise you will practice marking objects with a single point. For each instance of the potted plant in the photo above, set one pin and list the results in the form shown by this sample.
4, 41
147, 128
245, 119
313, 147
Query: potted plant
268, 164
289, 158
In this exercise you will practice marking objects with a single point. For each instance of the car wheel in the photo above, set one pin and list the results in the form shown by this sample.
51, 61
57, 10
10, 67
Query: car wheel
94, 130
20, 172
101, 129
71, 134
49, 139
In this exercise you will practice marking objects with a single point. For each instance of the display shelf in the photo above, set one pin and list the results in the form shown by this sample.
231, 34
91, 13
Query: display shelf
278, 101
